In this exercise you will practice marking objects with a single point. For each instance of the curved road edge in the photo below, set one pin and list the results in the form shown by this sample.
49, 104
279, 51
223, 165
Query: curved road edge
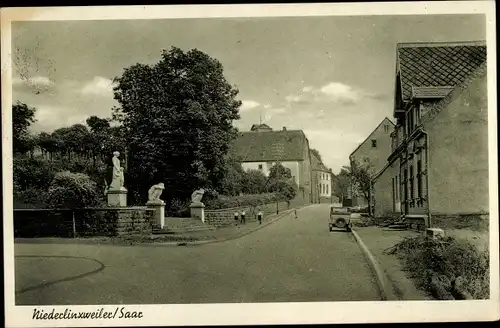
383, 282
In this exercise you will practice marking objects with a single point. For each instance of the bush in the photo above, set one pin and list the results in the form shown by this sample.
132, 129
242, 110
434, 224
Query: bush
32, 178
179, 208
29, 198
72, 190
447, 258
238, 201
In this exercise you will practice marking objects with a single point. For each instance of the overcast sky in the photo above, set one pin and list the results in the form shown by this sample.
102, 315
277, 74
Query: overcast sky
332, 77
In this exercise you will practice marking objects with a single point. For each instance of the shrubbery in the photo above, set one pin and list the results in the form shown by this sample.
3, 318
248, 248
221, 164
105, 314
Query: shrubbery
72, 190
32, 178
238, 201
444, 260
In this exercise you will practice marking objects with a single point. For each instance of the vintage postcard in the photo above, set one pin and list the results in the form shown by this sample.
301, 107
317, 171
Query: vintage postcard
250, 164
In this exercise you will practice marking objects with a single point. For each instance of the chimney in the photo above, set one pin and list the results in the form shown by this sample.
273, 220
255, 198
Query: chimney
284, 128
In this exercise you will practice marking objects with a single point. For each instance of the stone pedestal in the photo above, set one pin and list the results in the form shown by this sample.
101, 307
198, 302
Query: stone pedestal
198, 211
159, 216
117, 197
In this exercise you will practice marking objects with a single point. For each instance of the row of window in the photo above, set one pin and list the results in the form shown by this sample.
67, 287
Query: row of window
324, 188
407, 186
324, 176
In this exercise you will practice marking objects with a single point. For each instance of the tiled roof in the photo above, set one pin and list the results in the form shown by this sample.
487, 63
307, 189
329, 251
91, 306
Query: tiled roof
431, 92
437, 64
269, 146
316, 164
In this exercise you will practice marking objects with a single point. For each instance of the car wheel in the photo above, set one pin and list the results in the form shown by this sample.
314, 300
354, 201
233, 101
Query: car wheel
340, 223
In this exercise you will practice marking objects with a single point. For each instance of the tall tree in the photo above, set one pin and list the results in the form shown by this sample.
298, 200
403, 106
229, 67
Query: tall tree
254, 182
341, 183
361, 180
280, 172
97, 124
22, 117
178, 118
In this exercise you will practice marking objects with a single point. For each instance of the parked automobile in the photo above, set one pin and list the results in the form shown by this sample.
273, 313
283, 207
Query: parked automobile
340, 218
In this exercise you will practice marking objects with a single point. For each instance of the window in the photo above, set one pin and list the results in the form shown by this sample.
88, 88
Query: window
260, 166
419, 179
411, 182
386, 128
374, 143
327, 189
417, 115
399, 186
396, 187
393, 195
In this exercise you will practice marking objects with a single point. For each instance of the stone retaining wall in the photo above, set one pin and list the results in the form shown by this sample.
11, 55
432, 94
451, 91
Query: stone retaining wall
225, 217
82, 222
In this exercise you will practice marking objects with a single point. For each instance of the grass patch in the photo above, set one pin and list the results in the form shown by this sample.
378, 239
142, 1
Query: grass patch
444, 260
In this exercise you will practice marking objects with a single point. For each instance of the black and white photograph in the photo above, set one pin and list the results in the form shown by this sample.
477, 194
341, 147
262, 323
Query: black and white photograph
250, 164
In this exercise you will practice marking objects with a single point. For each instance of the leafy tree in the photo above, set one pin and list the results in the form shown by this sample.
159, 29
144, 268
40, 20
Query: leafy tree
341, 183
97, 124
285, 189
280, 172
254, 182
178, 117
316, 153
22, 117
233, 178
361, 180
72, 190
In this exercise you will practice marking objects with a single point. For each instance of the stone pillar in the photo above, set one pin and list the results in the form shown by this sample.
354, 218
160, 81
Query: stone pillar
198, 211
117, 197
159, 216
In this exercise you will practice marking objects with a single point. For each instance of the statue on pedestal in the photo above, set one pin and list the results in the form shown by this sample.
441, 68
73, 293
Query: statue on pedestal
154, 193
197, 195
118, 179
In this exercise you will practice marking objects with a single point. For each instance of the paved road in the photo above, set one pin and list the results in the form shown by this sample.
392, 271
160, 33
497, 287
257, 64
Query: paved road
296, 260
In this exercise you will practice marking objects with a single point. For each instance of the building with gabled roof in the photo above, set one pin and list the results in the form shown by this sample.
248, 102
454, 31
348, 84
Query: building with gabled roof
438, 164
263, 147
371, 153
322, 181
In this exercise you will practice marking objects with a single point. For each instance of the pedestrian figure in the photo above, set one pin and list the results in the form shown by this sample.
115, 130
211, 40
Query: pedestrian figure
236, 216
243, 217
259, 216
295, 211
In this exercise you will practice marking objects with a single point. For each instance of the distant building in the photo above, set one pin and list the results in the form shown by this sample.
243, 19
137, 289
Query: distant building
373, 153
321, 181
439, 159
261, 148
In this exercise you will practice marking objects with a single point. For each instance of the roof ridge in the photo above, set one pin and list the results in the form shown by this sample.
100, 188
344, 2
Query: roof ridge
441, 44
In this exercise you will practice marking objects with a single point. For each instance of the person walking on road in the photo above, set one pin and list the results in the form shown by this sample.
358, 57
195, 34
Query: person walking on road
236, 216
243, 217
259, 216
295, 213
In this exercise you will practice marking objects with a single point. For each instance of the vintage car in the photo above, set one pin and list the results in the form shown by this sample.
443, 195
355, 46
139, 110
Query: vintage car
340, 218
